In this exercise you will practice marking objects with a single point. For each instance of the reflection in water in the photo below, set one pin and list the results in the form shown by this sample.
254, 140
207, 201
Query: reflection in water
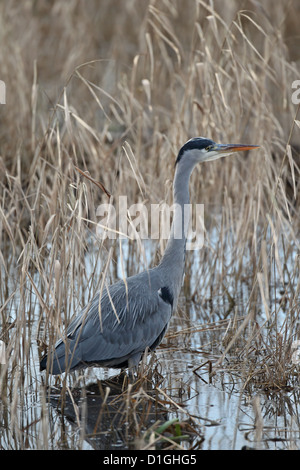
112, 414
249, 399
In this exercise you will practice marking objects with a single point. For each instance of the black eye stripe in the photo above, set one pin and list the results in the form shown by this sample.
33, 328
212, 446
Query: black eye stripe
196, 143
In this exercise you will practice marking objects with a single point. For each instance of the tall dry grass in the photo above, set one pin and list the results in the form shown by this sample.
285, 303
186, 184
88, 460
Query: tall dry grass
114, 88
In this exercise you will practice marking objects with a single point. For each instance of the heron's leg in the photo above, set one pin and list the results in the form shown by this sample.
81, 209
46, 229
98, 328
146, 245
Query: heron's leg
133, 365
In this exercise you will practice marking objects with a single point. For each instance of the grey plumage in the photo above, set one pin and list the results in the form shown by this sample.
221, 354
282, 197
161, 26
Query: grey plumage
134, 314
130, 319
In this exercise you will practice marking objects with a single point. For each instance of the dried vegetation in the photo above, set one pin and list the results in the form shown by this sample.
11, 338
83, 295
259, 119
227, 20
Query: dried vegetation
114, 88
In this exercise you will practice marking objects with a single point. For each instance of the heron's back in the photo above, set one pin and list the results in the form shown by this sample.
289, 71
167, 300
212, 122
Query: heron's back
114, 332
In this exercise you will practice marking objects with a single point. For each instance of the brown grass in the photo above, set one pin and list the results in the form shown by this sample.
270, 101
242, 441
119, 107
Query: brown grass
114, 88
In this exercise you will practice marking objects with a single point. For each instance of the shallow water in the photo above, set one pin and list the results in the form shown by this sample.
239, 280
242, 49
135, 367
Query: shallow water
222, 416
233, 419
222, 413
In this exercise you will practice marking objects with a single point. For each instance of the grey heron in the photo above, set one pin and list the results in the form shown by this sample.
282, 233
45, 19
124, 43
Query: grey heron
133, 314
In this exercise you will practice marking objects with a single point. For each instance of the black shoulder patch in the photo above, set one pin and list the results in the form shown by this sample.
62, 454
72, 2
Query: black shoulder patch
166, 295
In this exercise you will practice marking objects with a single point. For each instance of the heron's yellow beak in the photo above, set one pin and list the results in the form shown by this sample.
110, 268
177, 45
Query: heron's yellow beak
230, 148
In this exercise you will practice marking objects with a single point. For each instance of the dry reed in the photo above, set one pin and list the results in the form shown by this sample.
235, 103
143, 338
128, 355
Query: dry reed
114, 96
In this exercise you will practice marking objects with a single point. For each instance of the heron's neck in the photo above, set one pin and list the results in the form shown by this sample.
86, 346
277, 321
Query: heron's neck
173, 260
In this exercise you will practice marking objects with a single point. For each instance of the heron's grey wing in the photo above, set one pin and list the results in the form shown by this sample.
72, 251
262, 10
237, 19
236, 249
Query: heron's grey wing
130, 317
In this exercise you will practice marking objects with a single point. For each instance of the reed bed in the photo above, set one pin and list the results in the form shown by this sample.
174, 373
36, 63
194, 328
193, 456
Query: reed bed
100, 96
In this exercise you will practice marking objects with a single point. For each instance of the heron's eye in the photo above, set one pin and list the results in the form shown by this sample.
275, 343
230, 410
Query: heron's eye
208, 148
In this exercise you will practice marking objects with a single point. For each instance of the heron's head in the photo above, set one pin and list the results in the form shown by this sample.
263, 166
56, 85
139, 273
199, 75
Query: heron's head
200, 149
